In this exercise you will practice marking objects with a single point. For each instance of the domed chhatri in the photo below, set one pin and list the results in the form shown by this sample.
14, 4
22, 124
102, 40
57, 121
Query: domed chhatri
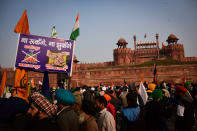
122, 43
172, 39
75, 60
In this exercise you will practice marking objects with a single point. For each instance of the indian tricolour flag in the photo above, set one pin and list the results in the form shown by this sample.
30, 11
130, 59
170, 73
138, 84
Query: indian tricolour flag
75, 31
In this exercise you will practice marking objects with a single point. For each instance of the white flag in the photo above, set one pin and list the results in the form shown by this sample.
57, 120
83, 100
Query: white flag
143, 93
54, 33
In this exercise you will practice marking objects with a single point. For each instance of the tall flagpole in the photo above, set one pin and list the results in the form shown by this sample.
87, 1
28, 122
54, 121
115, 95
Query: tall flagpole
16, 51
72, 57
70, 74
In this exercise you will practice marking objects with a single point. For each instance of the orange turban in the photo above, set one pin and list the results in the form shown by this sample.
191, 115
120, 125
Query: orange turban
151, 86
107, 97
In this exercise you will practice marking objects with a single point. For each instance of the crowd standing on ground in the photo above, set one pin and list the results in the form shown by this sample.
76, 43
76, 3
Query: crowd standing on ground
116, 108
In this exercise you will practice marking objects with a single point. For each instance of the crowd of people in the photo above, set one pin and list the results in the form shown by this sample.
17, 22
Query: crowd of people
118, 108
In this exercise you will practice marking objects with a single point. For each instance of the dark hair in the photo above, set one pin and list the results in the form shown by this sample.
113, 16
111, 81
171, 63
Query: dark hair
132, 99
102, 100
111, 92
88, 107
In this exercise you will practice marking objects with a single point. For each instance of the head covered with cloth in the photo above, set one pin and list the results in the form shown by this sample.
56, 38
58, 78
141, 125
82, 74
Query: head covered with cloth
67, 118
65, 97
157, 94
42, 105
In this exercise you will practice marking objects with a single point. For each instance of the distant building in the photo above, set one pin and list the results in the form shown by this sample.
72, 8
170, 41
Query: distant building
87, 74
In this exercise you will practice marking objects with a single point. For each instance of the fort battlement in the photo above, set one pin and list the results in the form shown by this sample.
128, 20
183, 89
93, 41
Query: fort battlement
91, 74
175, 46
189, 59
123, 50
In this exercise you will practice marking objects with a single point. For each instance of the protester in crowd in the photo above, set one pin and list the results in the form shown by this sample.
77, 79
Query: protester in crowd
194, 85
184, 110
67, 119
123, 98
86, 119
133, 115
105, 119
114, 100
110, 107
188, 86
157, 112
135, 90
88, 95
21, 107
12, 114
119, 90
41, 111
78, 99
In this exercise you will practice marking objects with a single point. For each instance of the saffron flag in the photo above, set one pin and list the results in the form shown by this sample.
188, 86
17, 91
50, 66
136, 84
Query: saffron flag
3, 83
23, 25
54, 33
45, 85
143, 93
163, 46
75, 31
21, 84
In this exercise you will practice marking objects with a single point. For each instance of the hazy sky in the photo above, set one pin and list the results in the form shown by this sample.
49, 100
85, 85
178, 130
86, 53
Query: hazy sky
102, 23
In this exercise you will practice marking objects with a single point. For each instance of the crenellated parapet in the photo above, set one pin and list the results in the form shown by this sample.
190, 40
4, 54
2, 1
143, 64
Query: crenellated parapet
189, 59
174, 51
175, 47
123, 56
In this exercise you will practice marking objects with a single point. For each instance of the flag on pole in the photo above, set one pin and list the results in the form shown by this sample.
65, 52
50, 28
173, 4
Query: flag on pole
54, 33
145, 35
163, 46
21, 84
143, 93
32, 83
155, 73
75, 31
23, 25
45, 85
3, 83
6, 93
40, 83
21, 78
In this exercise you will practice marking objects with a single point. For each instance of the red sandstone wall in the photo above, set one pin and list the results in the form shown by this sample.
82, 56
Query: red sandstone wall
94, 77
117, 76
37, 76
